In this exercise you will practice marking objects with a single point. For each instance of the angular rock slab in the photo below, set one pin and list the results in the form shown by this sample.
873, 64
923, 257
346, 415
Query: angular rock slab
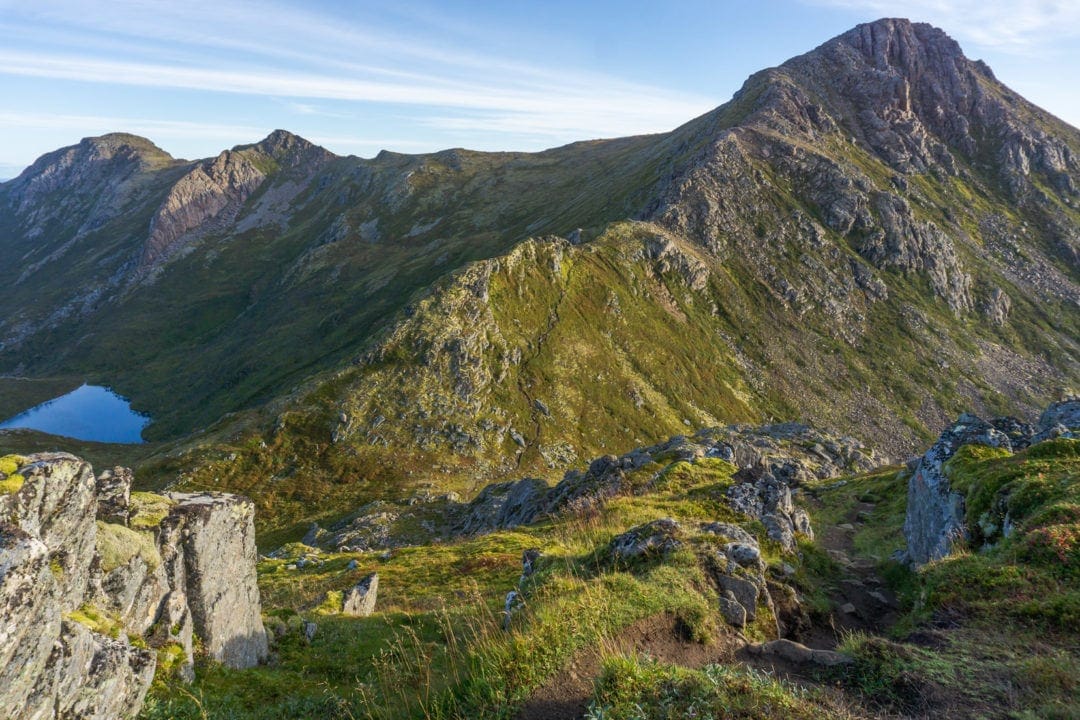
798, 653
100, 678
114, 494
935, 514
359, 600
217, 536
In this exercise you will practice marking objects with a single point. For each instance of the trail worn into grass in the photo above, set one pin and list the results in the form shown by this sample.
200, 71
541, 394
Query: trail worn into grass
860, 599
861, 602
565, 696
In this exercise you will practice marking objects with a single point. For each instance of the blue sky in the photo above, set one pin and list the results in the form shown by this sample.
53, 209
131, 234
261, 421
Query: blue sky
357, 77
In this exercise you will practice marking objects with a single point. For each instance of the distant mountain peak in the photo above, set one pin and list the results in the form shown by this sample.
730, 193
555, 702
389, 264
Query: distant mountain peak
112, 143
901, 44
289, 148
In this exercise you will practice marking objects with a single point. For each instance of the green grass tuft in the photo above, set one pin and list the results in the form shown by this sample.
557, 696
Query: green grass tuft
117, 545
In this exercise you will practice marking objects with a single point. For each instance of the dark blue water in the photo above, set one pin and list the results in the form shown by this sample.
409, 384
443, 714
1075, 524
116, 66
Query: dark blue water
90, 412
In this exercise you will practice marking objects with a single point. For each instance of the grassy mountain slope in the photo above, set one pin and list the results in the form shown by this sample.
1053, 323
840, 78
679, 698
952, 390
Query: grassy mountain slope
828, 245
291, 275
977, 634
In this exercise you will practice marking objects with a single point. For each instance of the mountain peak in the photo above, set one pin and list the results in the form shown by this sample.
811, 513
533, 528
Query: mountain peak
117, 142
901, 44
908, 92
290, 149
90, 166
122, 148
282, 139
893, 47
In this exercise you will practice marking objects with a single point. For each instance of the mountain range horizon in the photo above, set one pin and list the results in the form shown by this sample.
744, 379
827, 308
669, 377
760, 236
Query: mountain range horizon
770, 415
121, 131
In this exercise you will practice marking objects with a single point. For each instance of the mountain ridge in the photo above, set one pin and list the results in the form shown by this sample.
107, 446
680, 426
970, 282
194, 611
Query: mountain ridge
830, 245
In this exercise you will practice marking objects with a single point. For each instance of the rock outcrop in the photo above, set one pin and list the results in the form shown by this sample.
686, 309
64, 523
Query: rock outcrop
771, 460
57, 504
30, 625
100, 677
206, 191
217, 534
74, 588
114, 495
935, 521
213, 192
935, 514
651, 540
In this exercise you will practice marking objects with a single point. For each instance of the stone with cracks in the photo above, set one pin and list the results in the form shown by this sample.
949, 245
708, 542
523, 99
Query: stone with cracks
218, 542
359, 600
935, 514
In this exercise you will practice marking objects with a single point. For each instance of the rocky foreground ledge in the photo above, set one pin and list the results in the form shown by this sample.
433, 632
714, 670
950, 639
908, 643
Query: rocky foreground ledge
935, 523
99, 585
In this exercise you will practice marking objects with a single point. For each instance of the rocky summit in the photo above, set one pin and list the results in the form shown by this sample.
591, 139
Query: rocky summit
771, 415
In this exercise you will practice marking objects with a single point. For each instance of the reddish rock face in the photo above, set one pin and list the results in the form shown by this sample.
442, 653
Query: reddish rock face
211, 188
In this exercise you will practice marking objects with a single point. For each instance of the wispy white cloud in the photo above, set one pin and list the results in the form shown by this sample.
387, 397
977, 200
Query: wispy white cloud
300, 55
1017, 26
98, 124
301, 108
572, 107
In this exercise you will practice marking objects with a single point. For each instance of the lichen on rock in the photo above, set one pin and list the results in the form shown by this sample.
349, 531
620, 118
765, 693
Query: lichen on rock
73, 589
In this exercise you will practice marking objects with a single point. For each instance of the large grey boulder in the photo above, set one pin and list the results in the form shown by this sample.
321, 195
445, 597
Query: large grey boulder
741, 590
654, 539
732, 610
504, 505
1062, 419
1065, 413
217, 539
57, 504
767, 498
935, 514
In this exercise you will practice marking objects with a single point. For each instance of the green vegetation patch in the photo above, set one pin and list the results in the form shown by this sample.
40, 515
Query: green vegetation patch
11, 484
11, 481
10, 463
117, 545
436, 646
147, 510
632, 688
97, 620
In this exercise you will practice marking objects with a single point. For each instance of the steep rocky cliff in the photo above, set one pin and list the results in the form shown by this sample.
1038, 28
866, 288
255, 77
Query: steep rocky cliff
85, 589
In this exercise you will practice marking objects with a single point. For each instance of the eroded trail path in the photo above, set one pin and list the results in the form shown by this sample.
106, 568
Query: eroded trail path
861, 602
861, 598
